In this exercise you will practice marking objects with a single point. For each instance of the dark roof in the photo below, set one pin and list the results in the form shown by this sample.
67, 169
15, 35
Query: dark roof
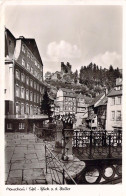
8, 33
31, 44
114, 92
102, 102
94, 101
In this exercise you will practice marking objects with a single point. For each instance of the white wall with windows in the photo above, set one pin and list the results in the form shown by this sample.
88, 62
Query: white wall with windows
114, 112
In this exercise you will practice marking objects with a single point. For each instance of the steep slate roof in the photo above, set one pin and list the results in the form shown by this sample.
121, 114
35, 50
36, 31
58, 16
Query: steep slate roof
114, 92
94, 101
102, 102
31, 44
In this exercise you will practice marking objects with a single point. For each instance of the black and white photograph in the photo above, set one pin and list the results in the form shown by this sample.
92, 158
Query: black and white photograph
63, 92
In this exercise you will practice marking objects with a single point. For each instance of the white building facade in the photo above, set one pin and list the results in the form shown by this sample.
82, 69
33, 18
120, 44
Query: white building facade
114, 108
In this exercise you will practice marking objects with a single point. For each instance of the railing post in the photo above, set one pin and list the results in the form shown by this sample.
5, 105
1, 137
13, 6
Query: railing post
90, 155
119, 138
46, 158
67, 150
109, 155
58, 139
76, 139
63, 176
104, 138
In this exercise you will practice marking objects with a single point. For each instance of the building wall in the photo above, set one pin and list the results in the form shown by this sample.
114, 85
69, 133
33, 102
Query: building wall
10, 43
20, 61
9, 81
69, 105
101, 114
113, 108
93, 123
36, 89
59, 95
66, 102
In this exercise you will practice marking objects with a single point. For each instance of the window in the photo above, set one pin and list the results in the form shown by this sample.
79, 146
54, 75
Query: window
27, 109
23, 48
41, 78
28, 67
35, 73
9, 125
31, 57
17, 108
35, 109
118, 88
38, 109
38, 76
37, 98
17, 73
31, 109
21, 125
31, 96
34, 97
113, 101
118, 100
17, 91
34, 85
22, 77
28, 54
118, 116
31, 70
27, 94
23, 62
27, 80
38, 87
22, 92
31, 83
35, 63
113, 115
38, 66
22, 108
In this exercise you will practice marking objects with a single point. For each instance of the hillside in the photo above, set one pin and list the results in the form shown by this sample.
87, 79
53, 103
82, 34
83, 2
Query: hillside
91, 80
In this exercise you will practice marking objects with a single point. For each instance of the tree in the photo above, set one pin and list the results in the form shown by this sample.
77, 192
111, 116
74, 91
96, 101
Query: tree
76, 77
46, 105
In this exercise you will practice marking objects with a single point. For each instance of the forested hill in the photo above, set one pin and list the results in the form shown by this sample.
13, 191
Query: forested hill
97, 78
89, 80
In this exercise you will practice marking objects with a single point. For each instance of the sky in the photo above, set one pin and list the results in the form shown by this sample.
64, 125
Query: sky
78, 34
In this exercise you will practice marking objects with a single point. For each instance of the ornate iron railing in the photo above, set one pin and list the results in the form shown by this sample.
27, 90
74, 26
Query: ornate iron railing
98, 144
45, 133
56, 169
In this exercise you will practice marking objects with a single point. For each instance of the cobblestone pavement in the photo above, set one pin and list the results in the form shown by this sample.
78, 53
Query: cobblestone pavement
24, 159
